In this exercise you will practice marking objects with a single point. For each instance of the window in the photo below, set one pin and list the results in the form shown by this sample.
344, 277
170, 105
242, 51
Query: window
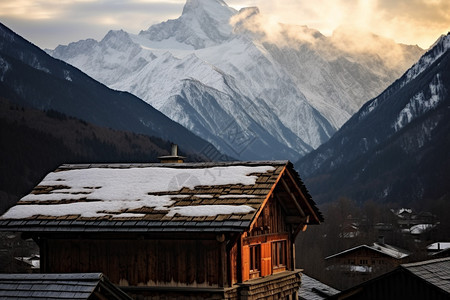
255, 258
279, 254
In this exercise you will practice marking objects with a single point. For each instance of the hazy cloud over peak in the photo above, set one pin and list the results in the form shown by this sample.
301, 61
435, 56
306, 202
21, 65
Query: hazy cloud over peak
51, 22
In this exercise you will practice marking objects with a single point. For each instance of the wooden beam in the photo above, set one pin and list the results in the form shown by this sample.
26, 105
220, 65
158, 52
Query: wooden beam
288, 190
265, 238
303, 197
301, 227
223, 277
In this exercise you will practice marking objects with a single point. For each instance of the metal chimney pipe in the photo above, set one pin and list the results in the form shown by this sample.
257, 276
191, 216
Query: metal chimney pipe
174, 150
173, 157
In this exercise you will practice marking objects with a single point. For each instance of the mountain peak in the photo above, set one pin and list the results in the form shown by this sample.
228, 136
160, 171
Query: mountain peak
192, 5
203, 23
117, 39
207, 11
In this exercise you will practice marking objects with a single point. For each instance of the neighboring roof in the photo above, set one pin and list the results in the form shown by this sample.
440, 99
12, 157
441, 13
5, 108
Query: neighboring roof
435, 272
34, 262
154, 197
58, 286
423, 280
312, 289
441, 254
421, 228
385, 249
438, 246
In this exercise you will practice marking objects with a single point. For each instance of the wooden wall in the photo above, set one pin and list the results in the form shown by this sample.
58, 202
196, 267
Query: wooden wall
269, 227
366, 257
271, 220
139, 262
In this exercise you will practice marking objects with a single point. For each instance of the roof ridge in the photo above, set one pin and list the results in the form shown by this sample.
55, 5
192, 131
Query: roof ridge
175, 165
425, 262
53, 276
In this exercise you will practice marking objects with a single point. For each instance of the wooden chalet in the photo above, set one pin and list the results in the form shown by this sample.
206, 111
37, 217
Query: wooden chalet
189, 230
363, 262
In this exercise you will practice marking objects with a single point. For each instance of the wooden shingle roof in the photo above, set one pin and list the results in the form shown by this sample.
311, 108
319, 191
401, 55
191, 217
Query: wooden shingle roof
153, 197
81, 286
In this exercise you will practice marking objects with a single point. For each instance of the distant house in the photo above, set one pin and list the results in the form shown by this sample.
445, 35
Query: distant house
415, 223
423, 280
201, 230
363, 261
93, 286
349, 231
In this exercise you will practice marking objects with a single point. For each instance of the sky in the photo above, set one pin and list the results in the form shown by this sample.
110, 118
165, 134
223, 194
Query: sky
48, 23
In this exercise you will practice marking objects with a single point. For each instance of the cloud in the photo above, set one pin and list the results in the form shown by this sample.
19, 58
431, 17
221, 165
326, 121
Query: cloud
407, 21
52, 22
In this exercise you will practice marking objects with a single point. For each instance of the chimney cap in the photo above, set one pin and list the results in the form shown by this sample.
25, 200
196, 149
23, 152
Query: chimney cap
174, 157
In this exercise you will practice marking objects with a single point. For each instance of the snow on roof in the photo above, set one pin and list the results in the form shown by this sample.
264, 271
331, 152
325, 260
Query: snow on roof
390, 250
386, 249
420, 228
210, 197
98, 192
439, 246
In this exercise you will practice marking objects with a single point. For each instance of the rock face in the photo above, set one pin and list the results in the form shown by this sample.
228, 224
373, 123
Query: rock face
395, 148
272, 91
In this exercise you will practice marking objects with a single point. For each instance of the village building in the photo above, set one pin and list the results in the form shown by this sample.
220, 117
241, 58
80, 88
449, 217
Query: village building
366, 261
192, 230
421, 280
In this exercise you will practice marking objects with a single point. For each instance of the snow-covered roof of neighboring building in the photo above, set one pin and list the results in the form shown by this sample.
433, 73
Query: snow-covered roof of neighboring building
149, 197
312, 289
438, 246
33, 261
385, 249
421, 228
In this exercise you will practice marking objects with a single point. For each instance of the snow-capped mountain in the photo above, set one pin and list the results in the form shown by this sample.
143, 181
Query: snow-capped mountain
255, 90
395, 148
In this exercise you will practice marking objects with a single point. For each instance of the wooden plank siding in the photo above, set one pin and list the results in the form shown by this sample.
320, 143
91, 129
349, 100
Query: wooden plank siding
141, 262
269, 228
271, 220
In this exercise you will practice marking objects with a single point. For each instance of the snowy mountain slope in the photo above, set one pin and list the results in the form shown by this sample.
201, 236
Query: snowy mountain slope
395, 148
300, 89
32, 78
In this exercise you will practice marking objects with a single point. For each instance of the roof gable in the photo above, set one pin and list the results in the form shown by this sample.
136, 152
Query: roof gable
218, 196
384, 249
